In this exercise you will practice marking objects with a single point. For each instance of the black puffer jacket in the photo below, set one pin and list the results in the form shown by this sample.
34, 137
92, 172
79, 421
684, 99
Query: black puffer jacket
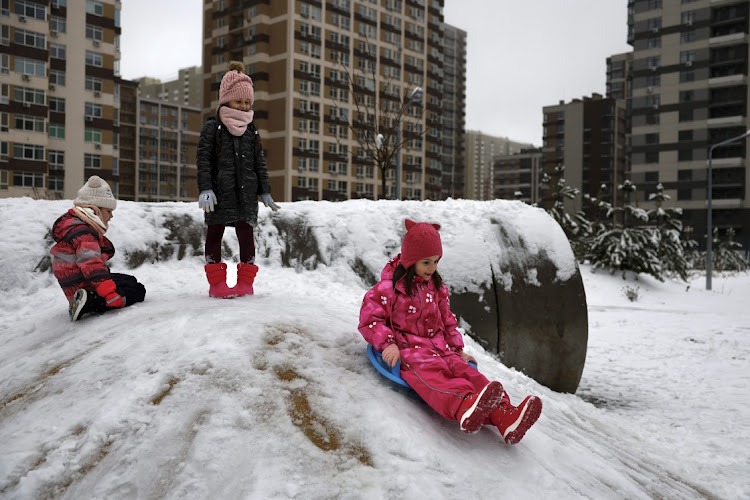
235, 168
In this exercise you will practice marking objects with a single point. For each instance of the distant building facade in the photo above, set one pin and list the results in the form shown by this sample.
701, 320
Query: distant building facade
481, 152
517, 176
687, 89
59, 96
587, 136
454, 113
294, 52
186, 90
66, 114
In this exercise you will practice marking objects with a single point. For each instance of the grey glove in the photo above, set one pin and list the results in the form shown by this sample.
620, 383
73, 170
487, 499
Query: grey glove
207, 200
268, 201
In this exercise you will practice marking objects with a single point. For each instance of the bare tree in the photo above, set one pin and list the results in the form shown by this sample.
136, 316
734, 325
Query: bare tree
386, 115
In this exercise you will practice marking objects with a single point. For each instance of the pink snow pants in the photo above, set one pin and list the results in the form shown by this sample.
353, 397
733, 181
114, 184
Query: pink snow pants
442, 382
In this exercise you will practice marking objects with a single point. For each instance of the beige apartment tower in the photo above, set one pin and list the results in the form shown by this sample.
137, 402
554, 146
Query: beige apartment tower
59, 96
312, 64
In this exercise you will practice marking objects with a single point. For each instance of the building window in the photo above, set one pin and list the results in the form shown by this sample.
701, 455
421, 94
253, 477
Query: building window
684, 194
653, 42
94, 32
685, 155
652, 157
28, 179
93, 110
688, 18
56, 183
29, 9
93, 83
57, 24
57, 104
654, 24
56, 160
30, 39
92, 135
30, 123
57, 51
687, 36
29, 96
687, 56
30, 67
94, 7
92, 161
94, 59
28, 152
57, 77
57, 131
684, 136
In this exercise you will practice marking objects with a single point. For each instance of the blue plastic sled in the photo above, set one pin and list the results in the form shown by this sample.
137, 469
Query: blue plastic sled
391, 373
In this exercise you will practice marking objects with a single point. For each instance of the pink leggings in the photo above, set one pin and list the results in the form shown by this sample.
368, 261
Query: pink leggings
244, 236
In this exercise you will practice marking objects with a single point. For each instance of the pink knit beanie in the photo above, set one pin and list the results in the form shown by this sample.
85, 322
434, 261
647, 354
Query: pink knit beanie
236, 84
421, 240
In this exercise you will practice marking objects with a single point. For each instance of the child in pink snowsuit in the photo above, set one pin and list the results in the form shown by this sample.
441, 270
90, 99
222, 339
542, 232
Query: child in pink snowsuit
407, 317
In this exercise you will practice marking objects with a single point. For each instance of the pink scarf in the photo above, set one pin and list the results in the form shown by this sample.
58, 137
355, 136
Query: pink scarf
91, 215
235, 119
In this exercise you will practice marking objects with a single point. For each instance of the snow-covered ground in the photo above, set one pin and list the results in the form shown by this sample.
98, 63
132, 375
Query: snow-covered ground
272, 396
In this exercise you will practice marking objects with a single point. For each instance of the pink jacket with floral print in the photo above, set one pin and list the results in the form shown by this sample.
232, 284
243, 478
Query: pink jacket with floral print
422, 321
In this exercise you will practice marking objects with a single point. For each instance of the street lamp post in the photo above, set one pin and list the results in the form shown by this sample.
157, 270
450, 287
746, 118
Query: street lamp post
414, 94
709, 229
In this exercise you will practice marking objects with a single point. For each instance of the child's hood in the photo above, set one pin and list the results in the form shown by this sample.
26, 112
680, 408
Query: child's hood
64, 224
390, 268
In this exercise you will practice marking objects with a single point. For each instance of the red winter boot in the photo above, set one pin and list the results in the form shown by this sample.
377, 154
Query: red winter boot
476, 407
217, 278
245, 277
512, 421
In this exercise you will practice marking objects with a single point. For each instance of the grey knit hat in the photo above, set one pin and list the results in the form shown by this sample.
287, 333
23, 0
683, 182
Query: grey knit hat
96, 192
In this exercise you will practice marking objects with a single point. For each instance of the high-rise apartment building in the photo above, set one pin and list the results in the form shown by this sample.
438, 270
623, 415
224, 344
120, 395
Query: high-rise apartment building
186, 90
481, 152
317, 66
688, 90
454, 113
59, 95
168, 137
517, 176
588, 137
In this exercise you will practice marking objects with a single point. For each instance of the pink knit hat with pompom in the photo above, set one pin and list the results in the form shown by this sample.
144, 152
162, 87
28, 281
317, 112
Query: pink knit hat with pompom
236, 84
420, 241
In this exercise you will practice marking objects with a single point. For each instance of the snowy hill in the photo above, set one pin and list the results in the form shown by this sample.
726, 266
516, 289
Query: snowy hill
272, 396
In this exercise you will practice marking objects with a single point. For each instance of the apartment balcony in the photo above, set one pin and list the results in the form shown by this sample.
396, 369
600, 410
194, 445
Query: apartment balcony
725, 81
734, 161
726, 121
731, 39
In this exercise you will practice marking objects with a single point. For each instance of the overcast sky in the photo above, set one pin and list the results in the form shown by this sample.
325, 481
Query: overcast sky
522, 55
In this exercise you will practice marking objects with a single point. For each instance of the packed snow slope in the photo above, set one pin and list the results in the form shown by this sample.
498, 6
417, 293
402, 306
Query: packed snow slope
272, 396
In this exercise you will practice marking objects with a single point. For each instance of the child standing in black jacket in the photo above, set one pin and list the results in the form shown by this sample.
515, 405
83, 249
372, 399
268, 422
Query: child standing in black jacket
232, 174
